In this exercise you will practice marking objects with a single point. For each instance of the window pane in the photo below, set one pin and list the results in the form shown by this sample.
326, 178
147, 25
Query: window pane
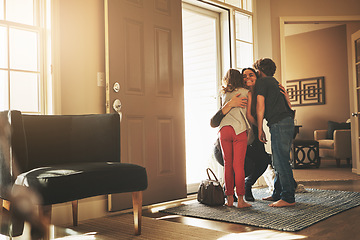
21, 11
23, 50
244, 54
3, 48
1, 9
243, 27
24, 91
248, 5
4, 94
236, 3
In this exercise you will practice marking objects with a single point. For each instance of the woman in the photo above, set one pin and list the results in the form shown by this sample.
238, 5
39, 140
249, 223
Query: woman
256, 159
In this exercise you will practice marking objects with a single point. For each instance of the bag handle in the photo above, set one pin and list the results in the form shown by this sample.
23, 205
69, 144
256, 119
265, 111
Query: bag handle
207, 171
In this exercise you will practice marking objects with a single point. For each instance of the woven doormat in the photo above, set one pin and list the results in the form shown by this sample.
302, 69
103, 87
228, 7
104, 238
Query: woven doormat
311, 207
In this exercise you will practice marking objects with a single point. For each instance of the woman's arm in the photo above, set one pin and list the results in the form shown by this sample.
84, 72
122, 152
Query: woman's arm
248, 110
235, 101
216, 119
283, 91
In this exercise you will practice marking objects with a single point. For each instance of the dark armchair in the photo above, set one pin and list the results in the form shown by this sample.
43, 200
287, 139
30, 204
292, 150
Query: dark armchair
64, 158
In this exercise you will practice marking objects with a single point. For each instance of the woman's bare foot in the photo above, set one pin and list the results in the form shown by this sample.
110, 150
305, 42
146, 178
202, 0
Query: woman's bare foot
269, 199
281, 203
230, 200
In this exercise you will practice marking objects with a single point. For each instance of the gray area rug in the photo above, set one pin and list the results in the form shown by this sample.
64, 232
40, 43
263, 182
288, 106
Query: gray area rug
311, 207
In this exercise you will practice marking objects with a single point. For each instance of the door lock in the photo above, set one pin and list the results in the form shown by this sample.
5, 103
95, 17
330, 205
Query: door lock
117, 105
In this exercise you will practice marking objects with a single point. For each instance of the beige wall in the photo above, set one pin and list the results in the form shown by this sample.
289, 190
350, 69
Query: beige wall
314, 54
81, 54
303, 9
286, 8
79, 46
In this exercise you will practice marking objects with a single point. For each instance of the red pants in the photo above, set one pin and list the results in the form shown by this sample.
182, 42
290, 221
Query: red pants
234, 149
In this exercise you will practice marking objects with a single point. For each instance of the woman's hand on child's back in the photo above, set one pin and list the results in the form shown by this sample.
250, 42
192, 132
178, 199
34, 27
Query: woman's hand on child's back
238, 101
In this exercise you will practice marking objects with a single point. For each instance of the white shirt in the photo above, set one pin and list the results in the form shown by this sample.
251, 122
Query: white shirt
236, 117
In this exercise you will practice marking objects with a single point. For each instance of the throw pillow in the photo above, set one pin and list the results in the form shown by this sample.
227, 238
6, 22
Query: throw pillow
332, 126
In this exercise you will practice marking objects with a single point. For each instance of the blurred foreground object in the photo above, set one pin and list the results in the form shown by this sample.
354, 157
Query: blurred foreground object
18, 203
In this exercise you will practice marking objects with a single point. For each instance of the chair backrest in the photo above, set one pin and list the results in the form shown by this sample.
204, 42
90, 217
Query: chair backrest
62, 139
6, 179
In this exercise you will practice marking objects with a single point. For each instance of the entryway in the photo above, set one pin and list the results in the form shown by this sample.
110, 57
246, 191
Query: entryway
202, 72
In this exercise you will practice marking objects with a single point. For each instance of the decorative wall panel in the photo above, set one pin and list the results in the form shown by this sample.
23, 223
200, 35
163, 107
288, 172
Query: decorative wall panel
165, 146
309, 91
163, 6
138, 3
163, 62
136, 140
134, 57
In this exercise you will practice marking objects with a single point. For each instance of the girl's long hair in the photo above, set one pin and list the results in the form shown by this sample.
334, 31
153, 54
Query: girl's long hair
232, 80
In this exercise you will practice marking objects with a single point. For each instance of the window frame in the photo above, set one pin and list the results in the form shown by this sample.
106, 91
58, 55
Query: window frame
41, 28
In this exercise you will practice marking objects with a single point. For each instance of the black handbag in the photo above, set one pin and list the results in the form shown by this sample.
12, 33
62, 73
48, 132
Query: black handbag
210, 191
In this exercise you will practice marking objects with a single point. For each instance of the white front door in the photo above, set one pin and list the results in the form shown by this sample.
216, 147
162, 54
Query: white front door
144, 62
355, 128
202, 71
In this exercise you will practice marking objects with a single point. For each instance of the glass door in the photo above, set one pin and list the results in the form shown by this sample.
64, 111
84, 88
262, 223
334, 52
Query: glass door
201, 53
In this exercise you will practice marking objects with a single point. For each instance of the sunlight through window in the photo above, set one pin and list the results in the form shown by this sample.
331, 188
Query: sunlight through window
24, 38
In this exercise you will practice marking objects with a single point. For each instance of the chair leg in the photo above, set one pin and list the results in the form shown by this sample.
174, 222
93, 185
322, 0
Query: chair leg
5, 212
137, 211
5, 204
13, 224
337, 162
45, 216
75, 205
348, 161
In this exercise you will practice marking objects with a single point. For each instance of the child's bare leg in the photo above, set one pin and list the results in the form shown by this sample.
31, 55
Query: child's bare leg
242, 203
230, 200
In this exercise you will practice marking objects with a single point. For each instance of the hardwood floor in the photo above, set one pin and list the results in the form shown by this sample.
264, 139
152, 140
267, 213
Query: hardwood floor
345, 225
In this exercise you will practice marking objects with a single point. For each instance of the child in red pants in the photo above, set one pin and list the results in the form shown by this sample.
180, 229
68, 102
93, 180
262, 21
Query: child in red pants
233, 138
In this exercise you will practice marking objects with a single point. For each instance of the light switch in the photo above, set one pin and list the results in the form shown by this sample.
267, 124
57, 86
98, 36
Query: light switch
101, 79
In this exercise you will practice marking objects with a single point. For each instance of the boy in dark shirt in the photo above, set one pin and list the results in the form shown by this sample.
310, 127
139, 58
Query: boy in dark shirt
274, 107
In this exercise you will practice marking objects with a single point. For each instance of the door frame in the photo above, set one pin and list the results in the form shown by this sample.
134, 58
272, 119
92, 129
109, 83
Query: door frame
355, 141
215, 13
351, 70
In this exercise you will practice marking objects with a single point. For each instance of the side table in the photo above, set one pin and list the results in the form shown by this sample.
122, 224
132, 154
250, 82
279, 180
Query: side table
305, 153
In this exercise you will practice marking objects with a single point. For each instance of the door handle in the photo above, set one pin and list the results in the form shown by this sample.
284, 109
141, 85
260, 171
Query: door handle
117, 105
355, 114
